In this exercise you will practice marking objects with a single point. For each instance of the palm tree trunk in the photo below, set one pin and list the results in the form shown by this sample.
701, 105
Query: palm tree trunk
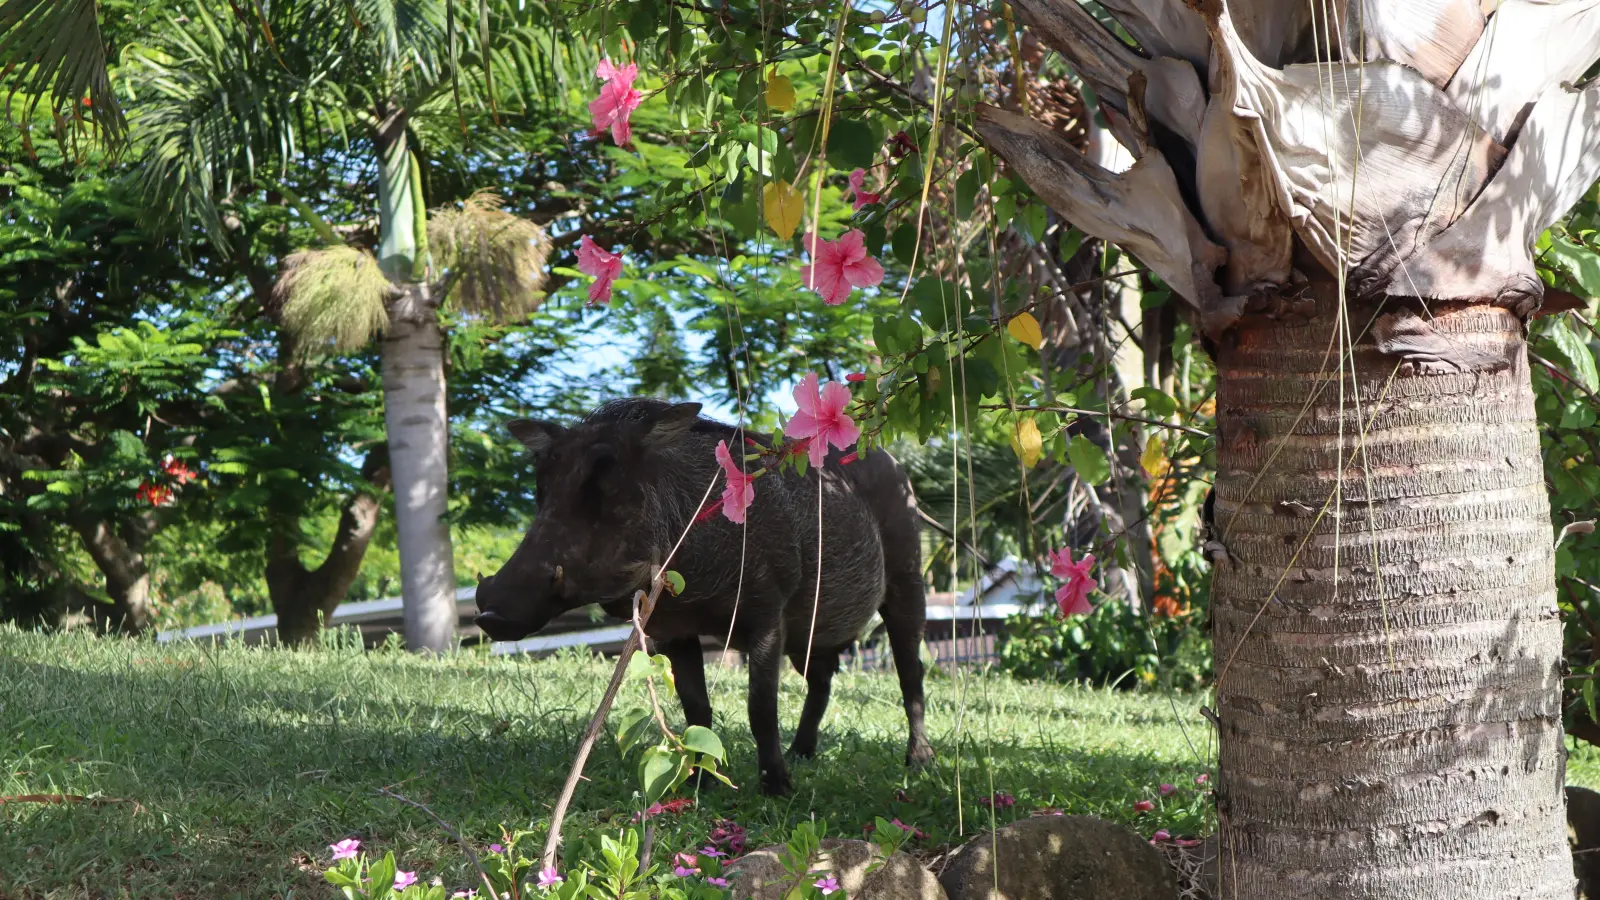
1388, 686
419, 445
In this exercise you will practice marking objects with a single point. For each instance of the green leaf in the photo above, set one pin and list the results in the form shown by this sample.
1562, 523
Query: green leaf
1088, 460
967, 192
1156, 401
631, 727
904, 242
1576, 261
659, 771
381, 877
1034, 220
1070, 242
851, 145
675, 582
1579, 357
704, 741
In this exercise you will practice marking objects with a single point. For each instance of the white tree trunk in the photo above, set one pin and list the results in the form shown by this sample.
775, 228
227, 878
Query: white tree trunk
419, 444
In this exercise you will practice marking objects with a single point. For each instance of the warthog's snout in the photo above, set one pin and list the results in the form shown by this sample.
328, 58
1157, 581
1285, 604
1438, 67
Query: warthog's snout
500, 627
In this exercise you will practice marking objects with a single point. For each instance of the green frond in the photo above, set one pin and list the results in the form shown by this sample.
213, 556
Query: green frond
333, 300
494, 261
53, 48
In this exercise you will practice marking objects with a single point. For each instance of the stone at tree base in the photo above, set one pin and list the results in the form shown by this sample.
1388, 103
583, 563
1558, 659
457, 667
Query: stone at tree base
1583, 836
759, 875
1060, 858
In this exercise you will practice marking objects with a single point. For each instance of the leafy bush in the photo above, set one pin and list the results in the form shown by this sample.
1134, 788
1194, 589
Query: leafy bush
1113, 645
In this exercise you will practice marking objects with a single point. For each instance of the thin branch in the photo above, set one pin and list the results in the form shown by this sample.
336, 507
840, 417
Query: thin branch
465, 845
1155, 423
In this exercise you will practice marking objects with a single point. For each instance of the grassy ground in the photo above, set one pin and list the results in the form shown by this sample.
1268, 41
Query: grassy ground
239, 766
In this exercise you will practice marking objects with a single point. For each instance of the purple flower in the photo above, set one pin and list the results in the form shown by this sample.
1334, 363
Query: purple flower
496, 848
711, 852
826, 885
719, 882
684, 871
403, 880
1162, 835
1000, 800
548, 878
345, 849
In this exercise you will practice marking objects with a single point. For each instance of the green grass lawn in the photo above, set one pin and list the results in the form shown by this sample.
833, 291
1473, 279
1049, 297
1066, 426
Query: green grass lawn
239, 766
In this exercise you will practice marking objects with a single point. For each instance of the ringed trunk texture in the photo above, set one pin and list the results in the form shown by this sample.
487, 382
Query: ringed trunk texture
1389, 668
419, 444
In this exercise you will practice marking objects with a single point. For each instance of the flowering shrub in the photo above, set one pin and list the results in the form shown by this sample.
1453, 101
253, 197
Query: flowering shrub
359, 878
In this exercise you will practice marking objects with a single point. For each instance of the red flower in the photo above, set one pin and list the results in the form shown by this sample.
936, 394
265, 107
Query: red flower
822, 418
154, 494
605, 267
739, 492
863, 197
901, 144
671, 806
854, 377
177, 470
617, 101
1073, 597
1143, 806
838, 267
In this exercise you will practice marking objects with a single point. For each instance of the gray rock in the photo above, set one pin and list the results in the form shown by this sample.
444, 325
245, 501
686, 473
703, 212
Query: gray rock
1583, 836
759, 875
1059, 858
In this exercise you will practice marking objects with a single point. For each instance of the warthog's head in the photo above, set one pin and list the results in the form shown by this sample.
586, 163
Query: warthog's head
599, 487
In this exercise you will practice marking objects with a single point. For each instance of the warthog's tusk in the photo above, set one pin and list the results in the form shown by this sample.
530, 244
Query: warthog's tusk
560, 576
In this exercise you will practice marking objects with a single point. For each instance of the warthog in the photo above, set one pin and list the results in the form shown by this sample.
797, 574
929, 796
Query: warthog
617, 490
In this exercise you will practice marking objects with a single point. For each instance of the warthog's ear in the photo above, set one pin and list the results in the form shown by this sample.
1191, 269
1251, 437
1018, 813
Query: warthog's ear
537, 436
672, 423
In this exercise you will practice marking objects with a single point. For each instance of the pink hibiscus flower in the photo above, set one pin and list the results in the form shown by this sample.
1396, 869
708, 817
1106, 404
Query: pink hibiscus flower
1073, 597
858, 180
837, 267
738, 495
605, 267
617, 101
822, 418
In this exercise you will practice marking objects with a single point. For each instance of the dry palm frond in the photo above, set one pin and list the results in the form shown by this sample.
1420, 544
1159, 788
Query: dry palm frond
333, 300
495, 260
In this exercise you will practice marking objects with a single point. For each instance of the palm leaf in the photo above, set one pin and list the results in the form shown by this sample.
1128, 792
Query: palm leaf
53, 48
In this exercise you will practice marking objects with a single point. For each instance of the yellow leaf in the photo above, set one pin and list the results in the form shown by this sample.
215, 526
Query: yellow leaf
1026, 441
1154, 455
1025, 328
780, 93
783, 206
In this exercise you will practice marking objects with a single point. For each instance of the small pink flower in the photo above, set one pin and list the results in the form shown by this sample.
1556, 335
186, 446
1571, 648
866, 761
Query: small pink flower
345, 849
837, 267
915, 832
1000, 800
605, 267
826, 885
1143, 806
719, 882
1073, 597
863, 197
822, 417
1161, 835
1188, 843
684, 871
739, 492
496, 848
1048, 811
1202, 778
549, 878
403, 880
854, 377
685, 859
711, 852
1167, 789
617, 101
